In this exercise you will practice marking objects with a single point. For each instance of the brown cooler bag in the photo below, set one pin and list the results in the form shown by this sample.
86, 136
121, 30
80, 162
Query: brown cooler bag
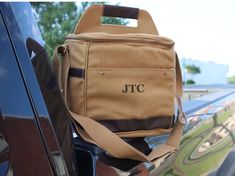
120, 81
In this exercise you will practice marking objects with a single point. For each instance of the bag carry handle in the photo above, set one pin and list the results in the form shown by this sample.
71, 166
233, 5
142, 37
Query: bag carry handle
108, 140
91, 20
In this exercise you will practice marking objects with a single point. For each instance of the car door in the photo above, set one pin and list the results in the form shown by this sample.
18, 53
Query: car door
28, 145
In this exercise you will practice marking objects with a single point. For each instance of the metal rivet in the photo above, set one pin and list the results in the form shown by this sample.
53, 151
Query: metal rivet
101, 73
61, 90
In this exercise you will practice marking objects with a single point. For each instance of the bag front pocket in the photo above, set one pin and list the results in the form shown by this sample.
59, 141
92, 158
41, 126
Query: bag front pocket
124, 93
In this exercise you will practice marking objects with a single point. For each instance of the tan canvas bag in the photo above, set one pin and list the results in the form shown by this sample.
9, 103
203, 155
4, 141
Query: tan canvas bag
120, 81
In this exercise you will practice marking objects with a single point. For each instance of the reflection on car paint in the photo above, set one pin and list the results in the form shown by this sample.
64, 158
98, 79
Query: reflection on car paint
206, 144
213, 125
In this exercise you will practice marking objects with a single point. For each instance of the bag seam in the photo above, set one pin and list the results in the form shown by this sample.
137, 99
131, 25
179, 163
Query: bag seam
85, 78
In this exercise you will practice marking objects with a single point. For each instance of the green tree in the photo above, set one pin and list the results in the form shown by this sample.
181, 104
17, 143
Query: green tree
231, 79
192, 70
55, 20
58, 19
190, 81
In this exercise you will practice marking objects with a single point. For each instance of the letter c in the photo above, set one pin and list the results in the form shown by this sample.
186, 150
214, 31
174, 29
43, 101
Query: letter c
140, 88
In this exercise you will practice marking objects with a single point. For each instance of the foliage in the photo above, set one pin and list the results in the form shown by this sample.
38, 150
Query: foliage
58, 19
231, 79
192, 69
190, 81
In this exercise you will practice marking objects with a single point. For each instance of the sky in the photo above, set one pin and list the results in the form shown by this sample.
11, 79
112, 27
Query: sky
202, 29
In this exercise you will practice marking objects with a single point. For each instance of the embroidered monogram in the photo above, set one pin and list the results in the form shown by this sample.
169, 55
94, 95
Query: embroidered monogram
133, 88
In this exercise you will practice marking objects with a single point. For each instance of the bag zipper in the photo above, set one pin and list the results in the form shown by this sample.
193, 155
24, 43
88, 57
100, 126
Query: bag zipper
134, 38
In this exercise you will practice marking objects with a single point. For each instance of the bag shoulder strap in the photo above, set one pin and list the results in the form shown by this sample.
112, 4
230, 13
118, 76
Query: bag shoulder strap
106, 139
179, 84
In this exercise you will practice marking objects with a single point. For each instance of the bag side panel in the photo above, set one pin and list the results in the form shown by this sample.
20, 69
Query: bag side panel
76, 84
